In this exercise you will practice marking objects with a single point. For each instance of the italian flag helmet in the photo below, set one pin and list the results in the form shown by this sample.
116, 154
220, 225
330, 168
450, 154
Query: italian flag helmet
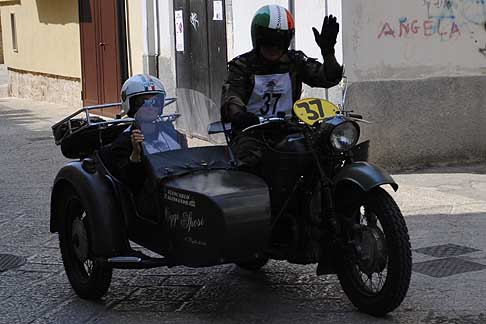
272, 25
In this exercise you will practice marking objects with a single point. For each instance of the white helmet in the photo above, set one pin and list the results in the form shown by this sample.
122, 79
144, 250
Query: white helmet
138, 85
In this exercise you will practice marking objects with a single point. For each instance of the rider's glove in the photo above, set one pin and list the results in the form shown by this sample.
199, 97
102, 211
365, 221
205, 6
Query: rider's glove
327, 38
244, 119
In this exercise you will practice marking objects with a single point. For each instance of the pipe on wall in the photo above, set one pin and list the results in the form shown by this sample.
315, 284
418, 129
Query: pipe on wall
151, 37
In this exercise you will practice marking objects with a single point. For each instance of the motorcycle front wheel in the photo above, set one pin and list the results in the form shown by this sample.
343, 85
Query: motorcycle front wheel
376, 276
89, 278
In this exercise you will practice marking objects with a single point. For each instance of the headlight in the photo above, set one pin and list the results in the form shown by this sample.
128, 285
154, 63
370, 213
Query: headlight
344, 136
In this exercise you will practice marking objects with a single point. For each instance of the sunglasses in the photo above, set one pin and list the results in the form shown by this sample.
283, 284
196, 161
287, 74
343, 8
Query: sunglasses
153, 101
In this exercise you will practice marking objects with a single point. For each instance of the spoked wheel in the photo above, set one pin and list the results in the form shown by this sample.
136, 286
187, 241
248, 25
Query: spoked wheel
376, 274
89, 278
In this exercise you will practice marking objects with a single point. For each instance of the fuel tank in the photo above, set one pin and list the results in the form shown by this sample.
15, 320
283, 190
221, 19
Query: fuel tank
216, 216
284, 164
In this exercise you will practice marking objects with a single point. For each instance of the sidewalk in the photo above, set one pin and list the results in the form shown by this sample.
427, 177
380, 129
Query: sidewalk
3, 81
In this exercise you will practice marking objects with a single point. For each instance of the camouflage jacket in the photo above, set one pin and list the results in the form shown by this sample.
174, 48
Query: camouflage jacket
240, 81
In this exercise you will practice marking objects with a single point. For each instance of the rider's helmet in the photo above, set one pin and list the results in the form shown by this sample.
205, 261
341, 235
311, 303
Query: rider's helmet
138, 85
272, 25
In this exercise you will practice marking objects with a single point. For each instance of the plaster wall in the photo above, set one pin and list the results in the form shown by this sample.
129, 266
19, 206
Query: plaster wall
166, 59
48, 42
417, 71
393, 39
135, 35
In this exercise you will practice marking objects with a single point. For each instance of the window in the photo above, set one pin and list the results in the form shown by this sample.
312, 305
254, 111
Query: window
14, 32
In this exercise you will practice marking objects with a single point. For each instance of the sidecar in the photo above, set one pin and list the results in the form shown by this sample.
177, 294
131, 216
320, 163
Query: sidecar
194, 208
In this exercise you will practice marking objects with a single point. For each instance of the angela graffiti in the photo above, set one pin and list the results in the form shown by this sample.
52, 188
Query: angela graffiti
444, 19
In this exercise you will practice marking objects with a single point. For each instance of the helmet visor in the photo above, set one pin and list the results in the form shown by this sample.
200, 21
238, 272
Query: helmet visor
274, 38
150, 107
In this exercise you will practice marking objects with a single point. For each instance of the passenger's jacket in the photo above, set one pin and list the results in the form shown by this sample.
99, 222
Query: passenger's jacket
254, 85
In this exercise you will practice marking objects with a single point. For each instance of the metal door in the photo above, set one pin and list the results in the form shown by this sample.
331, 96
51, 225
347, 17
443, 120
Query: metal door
202, 64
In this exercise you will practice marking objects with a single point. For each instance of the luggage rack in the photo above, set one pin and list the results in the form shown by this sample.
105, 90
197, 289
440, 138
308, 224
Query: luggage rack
72, 125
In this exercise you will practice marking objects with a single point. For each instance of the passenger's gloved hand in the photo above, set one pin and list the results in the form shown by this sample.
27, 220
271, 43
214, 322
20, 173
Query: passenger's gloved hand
244, 119
327, 38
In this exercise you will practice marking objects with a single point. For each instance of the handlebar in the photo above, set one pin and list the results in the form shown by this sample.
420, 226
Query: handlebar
270, 120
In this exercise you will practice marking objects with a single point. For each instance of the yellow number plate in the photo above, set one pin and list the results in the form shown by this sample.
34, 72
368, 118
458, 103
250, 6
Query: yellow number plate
311, 110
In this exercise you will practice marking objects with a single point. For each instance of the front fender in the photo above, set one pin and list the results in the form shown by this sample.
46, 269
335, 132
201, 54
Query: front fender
365, 175
108, 233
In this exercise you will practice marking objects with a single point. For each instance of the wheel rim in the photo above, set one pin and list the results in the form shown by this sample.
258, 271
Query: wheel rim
371, 267
78, 241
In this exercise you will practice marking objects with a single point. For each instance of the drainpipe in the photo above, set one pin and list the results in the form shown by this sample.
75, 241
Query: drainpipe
150, 31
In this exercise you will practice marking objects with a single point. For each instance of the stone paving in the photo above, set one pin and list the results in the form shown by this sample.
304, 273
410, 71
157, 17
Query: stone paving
443, 205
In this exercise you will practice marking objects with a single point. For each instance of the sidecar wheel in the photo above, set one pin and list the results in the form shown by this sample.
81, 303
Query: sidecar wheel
89, 278
377, 281
254, 265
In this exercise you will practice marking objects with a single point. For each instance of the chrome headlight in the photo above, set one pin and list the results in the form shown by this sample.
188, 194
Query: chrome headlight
344, 136
341, 133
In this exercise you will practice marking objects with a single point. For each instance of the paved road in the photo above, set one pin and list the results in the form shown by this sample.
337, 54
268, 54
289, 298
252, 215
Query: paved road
443, 206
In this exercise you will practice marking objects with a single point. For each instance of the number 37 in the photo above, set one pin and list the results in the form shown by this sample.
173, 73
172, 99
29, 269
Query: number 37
268, 98
312, 114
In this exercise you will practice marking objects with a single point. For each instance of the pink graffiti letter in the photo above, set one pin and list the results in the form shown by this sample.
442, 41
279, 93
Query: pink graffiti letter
415, 27
441, 33
387, 31
404, 27
428, 28
455, 30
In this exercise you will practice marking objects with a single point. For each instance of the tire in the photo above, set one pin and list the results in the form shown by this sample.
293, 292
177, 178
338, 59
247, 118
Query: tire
254, 265
89, 277
394, 256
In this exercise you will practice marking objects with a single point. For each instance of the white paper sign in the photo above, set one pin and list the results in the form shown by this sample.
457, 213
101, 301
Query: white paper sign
217, 10
179, 29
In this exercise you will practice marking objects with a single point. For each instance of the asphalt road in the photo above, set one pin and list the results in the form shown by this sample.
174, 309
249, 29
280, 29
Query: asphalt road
444, 206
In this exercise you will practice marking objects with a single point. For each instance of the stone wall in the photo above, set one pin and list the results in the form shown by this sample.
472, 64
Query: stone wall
422, 122
45, 87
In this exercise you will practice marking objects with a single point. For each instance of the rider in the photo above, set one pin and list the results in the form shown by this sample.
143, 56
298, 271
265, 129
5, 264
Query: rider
126, 152
268, 79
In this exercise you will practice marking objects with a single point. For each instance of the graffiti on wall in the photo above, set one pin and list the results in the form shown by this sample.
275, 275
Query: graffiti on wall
446, 20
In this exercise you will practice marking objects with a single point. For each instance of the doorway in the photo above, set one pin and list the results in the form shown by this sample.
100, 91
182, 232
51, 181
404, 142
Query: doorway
201, 57
103, 52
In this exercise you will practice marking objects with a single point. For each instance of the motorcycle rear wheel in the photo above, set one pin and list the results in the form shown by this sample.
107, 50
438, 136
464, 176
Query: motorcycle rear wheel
89, 278
389, 248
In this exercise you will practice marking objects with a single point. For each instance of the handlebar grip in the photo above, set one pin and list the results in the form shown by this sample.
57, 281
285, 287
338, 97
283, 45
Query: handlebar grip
356, 116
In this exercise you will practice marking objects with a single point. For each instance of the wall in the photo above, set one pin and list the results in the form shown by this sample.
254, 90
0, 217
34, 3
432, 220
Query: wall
166, 59
418, 38
42, 29
312, 15
135, 35
417, 71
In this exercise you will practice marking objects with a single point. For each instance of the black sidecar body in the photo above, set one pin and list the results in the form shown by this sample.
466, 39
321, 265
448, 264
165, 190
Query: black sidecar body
197, 209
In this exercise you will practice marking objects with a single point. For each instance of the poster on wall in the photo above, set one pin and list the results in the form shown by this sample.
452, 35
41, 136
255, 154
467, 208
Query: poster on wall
217, 10
179, 29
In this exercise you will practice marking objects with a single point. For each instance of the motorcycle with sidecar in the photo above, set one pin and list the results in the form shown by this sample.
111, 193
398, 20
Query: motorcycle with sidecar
315, 200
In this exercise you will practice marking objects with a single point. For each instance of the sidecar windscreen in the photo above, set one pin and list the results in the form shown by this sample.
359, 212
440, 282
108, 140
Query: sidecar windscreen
176, 138
167, 128
158, 129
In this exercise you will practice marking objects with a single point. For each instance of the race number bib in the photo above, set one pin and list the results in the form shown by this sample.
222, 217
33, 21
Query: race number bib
272, 94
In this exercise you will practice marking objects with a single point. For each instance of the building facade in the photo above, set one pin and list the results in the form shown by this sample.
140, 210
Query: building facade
416, 68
